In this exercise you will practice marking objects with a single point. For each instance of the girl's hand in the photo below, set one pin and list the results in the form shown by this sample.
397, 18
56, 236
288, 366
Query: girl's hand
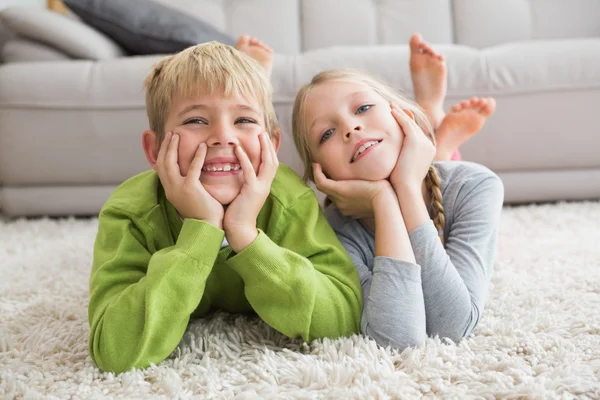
186, 193
240, 218
416, 155
354, 198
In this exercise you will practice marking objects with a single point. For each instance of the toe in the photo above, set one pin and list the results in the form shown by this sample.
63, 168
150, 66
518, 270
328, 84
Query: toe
415, 42
242, 41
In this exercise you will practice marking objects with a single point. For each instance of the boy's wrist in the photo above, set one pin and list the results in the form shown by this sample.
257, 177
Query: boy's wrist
240, 237
217, 223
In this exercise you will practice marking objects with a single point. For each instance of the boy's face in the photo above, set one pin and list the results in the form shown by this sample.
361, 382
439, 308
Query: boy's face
222, 123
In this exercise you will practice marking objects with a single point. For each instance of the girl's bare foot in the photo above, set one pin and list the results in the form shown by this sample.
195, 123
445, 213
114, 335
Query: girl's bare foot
429, 77
257, 50
462, 121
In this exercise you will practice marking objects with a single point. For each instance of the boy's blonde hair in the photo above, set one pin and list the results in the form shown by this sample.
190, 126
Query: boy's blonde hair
300, 128
206, 68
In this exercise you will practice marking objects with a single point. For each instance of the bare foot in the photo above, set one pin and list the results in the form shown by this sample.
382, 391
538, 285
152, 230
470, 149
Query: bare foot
462, 121
429, 77
257, 50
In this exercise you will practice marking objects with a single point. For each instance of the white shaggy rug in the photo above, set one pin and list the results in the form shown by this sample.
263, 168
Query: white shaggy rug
539, 336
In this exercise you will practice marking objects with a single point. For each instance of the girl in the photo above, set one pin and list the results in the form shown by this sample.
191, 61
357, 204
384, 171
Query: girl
422, 235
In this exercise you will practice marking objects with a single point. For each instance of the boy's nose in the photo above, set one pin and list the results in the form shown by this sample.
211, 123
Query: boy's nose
223, 138
229, 143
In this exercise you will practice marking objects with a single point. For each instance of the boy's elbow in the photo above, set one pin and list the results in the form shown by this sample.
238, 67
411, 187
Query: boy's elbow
109, 363
110, 355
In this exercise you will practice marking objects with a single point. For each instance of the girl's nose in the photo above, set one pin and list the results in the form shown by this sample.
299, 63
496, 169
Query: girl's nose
357, 128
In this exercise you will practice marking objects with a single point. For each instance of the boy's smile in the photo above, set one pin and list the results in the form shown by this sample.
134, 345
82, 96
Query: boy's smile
221, 166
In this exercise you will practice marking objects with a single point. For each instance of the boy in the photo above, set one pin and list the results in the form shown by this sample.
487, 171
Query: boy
217, 223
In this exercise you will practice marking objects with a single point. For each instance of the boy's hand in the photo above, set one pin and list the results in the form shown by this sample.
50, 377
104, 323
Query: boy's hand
186, 193
239, 222
416, 155
354, 198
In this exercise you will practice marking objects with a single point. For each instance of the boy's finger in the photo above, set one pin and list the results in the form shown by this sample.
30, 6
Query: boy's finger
171, 159
197, 163
266, 156
273, 151
162, 150
247, 168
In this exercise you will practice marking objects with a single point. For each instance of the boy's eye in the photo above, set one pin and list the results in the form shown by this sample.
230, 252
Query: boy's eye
195, 121
244, 120
326, 135
364, 108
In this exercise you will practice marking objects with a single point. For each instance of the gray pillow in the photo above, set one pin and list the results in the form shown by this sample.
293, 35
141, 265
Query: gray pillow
144, 26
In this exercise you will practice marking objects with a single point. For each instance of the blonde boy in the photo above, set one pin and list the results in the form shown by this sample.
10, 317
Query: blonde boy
217, 223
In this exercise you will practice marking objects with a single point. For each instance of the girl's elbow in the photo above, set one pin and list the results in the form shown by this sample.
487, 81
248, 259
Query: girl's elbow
457, 332
398, 341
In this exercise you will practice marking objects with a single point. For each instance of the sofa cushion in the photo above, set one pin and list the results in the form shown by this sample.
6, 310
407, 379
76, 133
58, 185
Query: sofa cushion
25, 50
65, 34
144, 26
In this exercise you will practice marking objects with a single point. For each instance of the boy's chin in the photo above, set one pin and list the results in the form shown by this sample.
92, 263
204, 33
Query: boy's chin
224, 195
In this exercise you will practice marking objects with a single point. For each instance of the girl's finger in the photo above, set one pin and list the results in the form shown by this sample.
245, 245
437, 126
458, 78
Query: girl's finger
197, 163
247, 168
323, 183
405, 122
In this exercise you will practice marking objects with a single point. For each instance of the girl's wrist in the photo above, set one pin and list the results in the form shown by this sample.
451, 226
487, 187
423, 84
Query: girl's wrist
385, 197
405, 187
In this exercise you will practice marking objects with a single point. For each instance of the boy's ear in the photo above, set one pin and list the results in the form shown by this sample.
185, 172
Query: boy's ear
150, 145
276, 139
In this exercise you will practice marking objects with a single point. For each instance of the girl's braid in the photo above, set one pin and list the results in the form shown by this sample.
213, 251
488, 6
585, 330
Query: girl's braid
432, 180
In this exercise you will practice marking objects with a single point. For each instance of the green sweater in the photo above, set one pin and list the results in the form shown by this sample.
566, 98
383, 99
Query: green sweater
152, 272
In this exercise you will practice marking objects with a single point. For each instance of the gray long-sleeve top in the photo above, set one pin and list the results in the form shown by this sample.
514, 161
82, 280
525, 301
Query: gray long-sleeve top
445, 291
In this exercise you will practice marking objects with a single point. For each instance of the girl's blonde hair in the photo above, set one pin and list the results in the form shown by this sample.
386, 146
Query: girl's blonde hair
300, 127
202, 69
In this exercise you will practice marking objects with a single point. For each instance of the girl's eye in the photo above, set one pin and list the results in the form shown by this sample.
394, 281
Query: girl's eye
326, 135
245, 121
195, 121
364, 108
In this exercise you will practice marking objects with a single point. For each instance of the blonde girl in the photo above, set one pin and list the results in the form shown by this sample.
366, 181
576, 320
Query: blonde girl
422, 234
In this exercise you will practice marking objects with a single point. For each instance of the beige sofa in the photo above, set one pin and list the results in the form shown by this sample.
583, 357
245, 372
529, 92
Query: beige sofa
70, 130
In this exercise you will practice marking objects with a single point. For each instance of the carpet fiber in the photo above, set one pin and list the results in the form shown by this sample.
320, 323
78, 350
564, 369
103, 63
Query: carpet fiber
539, 336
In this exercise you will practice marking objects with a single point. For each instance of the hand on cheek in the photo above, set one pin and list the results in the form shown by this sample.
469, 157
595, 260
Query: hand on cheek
416, 155
186, 193
240, 218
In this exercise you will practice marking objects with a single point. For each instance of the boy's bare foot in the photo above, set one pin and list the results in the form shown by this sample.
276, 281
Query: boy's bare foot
257, 50
429, 77
462, 121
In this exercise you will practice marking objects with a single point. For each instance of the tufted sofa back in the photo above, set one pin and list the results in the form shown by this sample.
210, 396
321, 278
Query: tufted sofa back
295, 26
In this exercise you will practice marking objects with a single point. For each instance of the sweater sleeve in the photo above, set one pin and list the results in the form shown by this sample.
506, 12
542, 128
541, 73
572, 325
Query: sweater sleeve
140, 303
455, 280
300, 280
393, 312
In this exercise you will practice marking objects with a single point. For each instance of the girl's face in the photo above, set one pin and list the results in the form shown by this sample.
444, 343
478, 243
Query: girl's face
351, 131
